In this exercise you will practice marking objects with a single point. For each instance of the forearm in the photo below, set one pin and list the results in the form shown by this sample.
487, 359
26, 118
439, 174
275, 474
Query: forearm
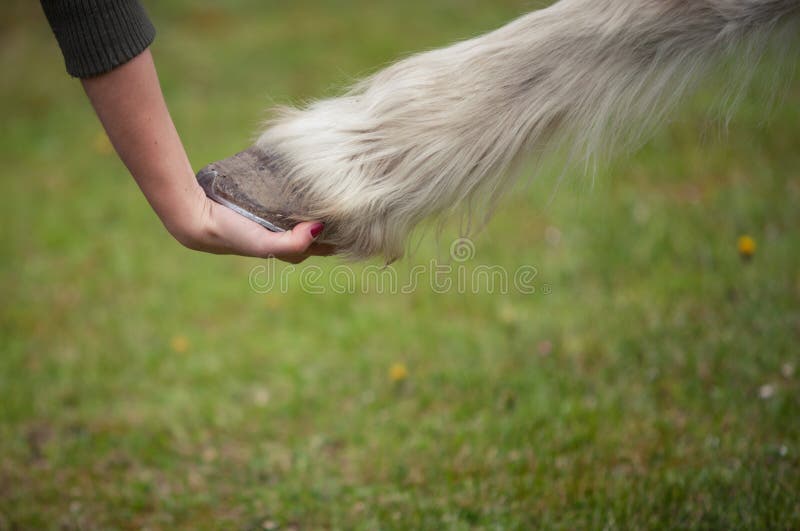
105, 42
129, 103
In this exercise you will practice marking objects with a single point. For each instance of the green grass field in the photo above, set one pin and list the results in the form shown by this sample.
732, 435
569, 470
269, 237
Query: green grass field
651, 380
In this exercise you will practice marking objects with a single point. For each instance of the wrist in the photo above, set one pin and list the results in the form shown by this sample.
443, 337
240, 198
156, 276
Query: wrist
189, 219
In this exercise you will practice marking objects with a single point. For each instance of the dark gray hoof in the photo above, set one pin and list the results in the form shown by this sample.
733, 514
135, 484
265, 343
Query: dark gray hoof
250, 183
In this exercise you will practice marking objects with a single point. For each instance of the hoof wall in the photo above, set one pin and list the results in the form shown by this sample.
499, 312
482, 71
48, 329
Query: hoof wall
250, 184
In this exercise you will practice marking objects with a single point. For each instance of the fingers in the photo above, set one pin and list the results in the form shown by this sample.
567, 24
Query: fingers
230, 233
296, 242
315, 249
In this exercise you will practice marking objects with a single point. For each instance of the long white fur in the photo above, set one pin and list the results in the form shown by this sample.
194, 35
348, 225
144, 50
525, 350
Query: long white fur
446, 127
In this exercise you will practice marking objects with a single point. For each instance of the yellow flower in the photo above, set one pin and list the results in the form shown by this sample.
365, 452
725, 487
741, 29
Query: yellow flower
398, 372
179, 344
508, 314
746, 246
273, 303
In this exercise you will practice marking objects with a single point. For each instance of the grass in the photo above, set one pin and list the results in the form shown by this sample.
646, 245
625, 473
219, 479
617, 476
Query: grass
651, 381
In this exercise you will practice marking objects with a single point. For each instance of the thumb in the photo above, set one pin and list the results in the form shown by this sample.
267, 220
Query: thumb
299, 239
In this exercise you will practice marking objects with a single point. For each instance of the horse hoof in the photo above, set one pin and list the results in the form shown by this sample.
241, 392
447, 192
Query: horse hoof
251, 184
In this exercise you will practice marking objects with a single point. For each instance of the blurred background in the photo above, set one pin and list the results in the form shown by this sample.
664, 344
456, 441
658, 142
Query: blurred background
651, 379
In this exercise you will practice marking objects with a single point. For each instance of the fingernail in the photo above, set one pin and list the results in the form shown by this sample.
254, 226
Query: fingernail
317, 229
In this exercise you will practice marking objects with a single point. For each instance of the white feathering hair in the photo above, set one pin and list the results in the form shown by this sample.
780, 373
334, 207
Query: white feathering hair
448, 127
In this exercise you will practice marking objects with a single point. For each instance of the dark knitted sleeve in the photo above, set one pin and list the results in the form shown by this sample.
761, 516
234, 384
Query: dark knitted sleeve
96, 36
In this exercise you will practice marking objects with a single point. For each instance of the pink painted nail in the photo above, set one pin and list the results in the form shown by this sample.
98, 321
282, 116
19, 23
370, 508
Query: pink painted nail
317, 229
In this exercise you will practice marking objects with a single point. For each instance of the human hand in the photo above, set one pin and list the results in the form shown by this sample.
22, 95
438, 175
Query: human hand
216, 229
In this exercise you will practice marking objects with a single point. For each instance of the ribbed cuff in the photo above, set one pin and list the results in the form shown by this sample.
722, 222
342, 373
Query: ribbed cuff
96, 36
